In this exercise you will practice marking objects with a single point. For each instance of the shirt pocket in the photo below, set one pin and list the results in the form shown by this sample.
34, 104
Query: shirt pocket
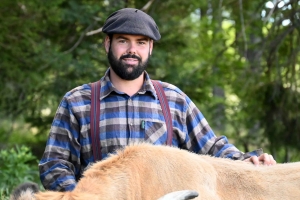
155, 132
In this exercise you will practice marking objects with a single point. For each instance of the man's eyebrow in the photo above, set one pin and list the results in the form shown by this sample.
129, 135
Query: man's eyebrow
143, 38
121, 37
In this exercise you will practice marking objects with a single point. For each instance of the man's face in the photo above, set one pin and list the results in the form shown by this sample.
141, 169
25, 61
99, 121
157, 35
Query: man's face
128, 55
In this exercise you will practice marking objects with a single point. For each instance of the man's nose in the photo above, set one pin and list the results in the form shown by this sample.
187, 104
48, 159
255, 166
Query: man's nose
131, 48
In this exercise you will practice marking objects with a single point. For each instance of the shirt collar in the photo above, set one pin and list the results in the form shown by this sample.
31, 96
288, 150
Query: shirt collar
107, 87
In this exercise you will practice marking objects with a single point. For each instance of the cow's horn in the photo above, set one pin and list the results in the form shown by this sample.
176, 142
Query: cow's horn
180, 195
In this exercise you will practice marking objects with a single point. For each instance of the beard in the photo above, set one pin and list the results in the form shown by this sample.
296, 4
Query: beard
125, 71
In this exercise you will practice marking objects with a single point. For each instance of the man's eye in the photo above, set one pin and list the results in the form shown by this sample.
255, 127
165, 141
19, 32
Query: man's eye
122, 41
142, 43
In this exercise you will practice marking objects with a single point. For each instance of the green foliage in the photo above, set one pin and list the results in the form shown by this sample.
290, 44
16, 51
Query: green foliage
17, 165
4, 194
235, 59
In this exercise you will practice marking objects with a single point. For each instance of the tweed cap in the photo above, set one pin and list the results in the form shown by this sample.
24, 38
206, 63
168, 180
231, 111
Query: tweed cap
131, 21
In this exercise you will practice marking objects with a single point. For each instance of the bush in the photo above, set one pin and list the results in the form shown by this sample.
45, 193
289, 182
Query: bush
17, 165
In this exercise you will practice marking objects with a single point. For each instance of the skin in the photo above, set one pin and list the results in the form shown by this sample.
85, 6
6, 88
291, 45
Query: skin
265, 159
123, 44
142, 47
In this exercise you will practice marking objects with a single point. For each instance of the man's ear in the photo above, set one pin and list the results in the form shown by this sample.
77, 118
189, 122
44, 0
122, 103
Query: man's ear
107, 44
150, 47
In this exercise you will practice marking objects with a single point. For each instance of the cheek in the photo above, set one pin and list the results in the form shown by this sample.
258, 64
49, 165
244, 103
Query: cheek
115, 53
118, 52
145, 55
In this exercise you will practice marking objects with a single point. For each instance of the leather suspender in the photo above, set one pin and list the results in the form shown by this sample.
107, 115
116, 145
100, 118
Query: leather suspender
94, 120
95, 116
165, 109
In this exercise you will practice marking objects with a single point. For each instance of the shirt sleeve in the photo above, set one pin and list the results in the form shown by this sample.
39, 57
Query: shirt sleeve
202, 139
60, 163
232, 152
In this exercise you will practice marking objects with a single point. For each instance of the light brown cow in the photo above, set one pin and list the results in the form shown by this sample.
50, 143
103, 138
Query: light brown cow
146, 171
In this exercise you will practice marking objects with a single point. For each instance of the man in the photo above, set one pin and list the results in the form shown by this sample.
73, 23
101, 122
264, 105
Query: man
130, 111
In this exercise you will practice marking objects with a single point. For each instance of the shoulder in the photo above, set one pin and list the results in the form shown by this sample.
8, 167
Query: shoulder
176, 97
173, 91
79, 90
80, 94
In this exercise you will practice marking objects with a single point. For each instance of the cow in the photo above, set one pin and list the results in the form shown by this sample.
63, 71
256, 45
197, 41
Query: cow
145, 171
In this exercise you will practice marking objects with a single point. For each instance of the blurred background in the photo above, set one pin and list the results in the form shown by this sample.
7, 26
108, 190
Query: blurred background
237, 60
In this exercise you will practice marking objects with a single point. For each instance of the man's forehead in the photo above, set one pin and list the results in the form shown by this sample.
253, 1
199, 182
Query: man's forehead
130, 37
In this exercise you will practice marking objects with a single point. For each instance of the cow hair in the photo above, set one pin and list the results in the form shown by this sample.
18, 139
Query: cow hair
144, 171
24, 191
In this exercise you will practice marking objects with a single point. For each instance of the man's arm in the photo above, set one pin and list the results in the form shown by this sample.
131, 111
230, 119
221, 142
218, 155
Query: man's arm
59, 164
257, 157
204, 141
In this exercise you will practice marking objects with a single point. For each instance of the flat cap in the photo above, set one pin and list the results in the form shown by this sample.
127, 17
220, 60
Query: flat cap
131, 21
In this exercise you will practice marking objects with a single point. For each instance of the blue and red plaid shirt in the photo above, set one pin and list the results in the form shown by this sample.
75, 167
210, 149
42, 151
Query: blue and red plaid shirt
123, 120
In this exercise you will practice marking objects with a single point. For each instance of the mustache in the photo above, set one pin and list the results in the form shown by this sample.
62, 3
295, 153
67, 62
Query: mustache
131, 56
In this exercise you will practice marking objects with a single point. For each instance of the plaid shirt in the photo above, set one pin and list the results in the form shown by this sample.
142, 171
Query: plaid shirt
123, 120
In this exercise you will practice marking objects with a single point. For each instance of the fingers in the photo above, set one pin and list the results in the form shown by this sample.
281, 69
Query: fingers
254, 160
265, 159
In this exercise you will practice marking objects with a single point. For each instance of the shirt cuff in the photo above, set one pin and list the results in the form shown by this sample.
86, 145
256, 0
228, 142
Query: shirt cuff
247, 155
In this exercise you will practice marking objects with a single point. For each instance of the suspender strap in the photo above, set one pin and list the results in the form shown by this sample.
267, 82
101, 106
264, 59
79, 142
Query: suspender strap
95, 116
94, 120
165, 109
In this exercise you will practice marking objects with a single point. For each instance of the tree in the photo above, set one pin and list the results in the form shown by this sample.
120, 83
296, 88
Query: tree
237, 60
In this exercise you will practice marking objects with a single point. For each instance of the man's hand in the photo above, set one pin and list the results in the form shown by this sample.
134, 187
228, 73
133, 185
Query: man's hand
264, 159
